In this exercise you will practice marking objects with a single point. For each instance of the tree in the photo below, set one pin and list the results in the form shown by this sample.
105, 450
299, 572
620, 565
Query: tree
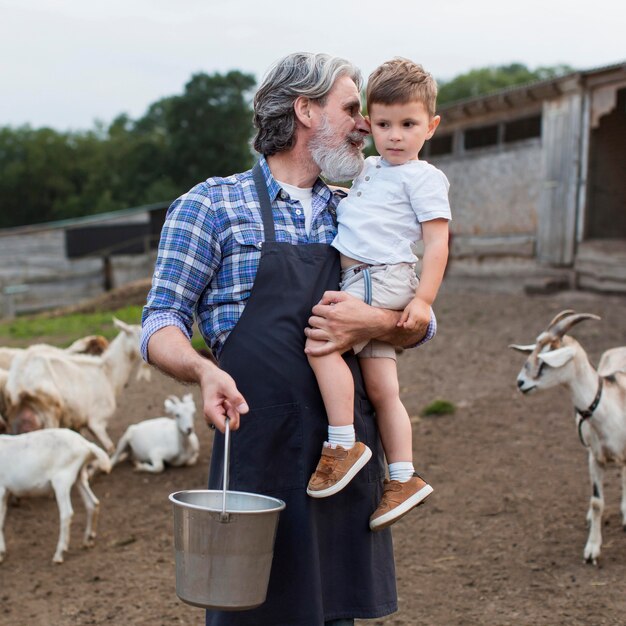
478, 82
181, 140
208, 127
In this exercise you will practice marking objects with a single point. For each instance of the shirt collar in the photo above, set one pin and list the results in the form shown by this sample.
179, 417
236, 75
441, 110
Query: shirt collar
273, 188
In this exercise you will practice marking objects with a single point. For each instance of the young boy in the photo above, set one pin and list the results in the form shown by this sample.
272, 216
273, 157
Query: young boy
394, 202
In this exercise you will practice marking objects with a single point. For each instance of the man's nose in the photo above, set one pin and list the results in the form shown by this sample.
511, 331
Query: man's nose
362, 126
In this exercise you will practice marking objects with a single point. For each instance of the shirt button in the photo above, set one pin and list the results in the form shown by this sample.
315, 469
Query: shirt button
298, 212
367, 178
283, 195
358, 193
259, 245
378, 167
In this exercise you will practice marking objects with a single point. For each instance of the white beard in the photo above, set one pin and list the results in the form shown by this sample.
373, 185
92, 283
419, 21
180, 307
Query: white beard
337, 162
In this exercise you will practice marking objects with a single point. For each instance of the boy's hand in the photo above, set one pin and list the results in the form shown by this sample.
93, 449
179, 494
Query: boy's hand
416, 315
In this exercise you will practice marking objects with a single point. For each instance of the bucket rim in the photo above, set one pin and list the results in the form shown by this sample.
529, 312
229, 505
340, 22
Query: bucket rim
279, 504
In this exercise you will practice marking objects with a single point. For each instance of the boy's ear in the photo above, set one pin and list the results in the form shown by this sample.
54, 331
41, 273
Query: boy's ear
302, 109
432, 125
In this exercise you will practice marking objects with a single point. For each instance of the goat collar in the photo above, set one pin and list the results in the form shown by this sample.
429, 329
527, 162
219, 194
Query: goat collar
587, 413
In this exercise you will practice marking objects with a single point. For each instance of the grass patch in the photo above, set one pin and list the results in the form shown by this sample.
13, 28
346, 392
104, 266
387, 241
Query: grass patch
62, 331
439, 407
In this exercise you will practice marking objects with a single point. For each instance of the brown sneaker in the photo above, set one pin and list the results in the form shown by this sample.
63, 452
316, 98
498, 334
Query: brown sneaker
336, 468
398, 499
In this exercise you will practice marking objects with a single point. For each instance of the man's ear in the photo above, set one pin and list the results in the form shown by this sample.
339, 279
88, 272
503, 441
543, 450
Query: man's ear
302, 109
432, 125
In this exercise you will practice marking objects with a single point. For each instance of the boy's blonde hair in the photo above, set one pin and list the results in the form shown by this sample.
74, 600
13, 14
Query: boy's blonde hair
400, 81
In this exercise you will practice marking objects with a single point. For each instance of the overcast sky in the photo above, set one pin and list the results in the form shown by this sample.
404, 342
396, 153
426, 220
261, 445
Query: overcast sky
65, 63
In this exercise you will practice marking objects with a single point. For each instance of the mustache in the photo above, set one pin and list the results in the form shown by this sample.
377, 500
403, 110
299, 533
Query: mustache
356, 138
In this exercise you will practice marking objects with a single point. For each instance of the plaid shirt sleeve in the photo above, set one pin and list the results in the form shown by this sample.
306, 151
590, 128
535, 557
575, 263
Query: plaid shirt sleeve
431, 331
188, 257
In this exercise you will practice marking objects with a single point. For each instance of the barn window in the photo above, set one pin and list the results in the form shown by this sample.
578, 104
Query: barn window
440, 145
481, 137
523, 128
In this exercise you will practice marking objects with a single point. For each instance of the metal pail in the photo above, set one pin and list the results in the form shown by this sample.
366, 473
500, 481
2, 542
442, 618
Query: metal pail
224, 544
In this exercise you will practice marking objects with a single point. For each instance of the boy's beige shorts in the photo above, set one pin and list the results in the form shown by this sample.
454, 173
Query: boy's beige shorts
393, 287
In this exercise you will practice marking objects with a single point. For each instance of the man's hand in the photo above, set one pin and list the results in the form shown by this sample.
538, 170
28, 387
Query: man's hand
416, 315
172, 353
221, 398
339, 321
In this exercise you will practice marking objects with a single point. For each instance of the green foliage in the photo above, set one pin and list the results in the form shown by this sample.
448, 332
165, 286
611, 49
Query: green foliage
484, 80
181, 140
439, 407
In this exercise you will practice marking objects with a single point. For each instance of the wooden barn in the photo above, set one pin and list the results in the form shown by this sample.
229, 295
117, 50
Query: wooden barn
538, 184
45, 266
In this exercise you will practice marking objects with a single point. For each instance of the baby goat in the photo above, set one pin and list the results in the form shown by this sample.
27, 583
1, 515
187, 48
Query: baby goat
48, 460
161, 440
599, 399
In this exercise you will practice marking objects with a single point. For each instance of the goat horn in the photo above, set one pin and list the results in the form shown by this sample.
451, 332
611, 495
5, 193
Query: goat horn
566, 323
559, 316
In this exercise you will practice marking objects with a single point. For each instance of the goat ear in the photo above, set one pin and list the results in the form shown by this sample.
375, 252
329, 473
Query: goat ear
169, 405
122, 325
557, 358
524, 349
188, 398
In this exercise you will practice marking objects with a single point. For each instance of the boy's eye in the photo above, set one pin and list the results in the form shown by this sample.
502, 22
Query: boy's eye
382, 124
409, 124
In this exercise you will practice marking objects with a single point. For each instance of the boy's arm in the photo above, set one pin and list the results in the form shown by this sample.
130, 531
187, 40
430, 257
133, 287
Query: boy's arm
435, 235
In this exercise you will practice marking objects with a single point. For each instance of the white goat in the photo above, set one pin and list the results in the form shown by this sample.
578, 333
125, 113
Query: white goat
154, 442
91, 344
4, 375
48, 389
599, 399
45, 461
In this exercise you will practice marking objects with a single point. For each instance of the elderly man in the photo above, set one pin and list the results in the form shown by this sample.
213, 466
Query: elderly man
249, 255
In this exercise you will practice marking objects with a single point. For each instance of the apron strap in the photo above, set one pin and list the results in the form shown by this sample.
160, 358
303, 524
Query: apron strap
264, 201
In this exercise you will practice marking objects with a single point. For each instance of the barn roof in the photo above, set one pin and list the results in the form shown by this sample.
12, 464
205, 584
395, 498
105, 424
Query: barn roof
77, 222
529, 93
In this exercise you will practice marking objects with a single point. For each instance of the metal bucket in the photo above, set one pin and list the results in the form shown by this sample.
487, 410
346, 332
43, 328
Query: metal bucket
224, 544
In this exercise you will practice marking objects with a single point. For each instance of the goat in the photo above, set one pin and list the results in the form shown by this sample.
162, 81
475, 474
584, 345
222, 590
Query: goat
91, 344
51, 460
599, 399
161, 440
4, 375
48, 389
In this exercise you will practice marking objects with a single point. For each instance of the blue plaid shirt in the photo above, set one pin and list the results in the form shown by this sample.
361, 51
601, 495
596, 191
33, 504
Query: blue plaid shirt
210, 249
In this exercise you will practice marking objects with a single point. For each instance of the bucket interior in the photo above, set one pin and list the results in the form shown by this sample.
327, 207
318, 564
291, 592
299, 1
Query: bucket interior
236, 501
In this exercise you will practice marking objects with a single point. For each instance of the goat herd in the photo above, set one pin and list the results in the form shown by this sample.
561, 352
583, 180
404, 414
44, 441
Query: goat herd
47, 394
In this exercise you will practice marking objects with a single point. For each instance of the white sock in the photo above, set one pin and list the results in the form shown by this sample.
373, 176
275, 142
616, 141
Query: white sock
343, 436
401, 471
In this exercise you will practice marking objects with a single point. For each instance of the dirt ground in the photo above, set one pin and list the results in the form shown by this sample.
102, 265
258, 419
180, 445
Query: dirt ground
499, 543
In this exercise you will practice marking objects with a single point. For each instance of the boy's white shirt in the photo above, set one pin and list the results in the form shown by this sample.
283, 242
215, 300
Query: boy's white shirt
305, 196
380, 218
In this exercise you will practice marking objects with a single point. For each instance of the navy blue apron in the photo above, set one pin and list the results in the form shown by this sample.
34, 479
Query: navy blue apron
327, 563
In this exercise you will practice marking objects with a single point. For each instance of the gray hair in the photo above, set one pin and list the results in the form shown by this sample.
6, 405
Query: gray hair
298, 74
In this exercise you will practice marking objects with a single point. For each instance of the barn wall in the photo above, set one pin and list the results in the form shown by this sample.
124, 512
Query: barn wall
35, 273
494, 196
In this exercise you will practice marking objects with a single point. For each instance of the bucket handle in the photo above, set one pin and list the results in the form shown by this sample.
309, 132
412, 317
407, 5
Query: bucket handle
224, 516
